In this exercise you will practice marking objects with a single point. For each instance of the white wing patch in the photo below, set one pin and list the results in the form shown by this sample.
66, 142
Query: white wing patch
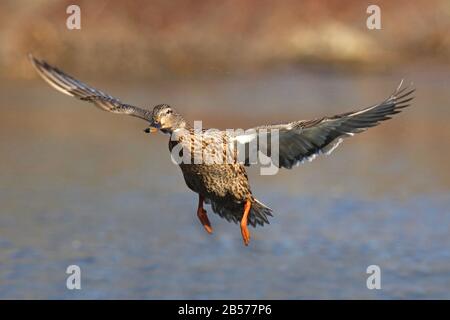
332, 146
245, 138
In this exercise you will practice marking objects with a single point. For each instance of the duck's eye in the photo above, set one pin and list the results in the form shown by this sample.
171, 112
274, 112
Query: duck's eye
169, 111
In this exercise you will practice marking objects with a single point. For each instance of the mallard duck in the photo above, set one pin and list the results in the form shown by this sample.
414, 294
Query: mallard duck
224, 184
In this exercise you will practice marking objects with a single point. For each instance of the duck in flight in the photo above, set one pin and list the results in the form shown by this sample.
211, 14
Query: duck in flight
224, 184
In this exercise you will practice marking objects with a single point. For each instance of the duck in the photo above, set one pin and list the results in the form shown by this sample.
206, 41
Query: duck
213, 162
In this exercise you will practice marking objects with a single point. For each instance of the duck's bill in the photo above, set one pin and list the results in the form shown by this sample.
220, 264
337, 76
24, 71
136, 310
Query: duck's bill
152, 127
150, 130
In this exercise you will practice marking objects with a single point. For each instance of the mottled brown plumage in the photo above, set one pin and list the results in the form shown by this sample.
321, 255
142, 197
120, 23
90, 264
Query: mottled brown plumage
223, 184
220, 177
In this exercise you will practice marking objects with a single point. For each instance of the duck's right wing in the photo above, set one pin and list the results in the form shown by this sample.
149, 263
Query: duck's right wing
75, 88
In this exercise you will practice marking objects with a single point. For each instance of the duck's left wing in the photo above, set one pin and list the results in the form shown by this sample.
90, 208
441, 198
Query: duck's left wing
304, 140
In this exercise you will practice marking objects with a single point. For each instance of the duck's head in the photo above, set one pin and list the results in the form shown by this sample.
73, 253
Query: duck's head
165, 119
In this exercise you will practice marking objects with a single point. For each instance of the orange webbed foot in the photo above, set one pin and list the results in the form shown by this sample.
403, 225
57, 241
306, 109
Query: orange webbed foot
244, 221
245, 234
203, 217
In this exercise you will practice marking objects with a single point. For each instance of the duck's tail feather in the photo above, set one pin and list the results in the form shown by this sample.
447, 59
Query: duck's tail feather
259, 213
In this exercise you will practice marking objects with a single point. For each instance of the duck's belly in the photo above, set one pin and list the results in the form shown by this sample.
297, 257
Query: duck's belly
217, 181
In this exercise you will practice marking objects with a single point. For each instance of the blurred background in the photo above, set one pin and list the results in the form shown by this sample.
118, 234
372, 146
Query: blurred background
81, 186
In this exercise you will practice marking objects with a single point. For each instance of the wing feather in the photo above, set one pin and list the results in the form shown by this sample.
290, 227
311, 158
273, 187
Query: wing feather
70, 86
303, 140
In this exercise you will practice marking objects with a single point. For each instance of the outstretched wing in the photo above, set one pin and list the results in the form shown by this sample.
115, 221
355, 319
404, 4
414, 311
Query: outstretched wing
304, 140
72, 87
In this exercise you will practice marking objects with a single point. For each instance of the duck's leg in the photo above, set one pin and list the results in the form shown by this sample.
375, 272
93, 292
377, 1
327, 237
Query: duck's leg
244, 222
203, 217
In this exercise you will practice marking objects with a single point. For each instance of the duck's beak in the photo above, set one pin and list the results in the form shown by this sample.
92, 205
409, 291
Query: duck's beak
152, 128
